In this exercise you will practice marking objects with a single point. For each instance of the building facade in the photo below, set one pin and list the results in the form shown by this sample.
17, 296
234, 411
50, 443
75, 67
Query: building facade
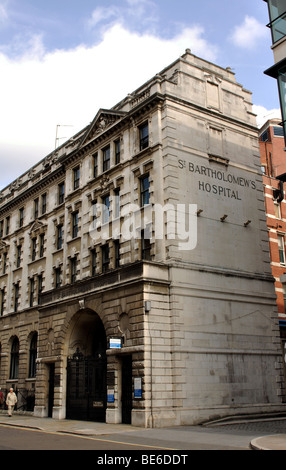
135, 282
272, 151
273, 167
277, 25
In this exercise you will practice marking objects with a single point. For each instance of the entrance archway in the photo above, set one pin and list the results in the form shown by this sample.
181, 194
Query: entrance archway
86, 368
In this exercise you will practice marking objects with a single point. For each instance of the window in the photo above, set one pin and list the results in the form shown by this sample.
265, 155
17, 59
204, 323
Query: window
106, 159
94, 214
116, 203
32, 290
58, 275
61, 193
105, 209
4, 262
143, 136
40, 287
76, 174
2, 302
21, 217
59, 237
282, 93
277, 15
16, 297
95, 165
36, 208
42, 245
93, 262
264, 136
144, 190
44, 203
281, 248
117, 151
75, 224
116, 254
105, 258
145, 245
1, 228
33, 356
278, 131
14, 363
34, 248
73, 265
19, 252
277, 210
7, 225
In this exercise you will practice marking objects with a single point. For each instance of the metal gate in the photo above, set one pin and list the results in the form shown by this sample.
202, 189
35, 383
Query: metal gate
86, 387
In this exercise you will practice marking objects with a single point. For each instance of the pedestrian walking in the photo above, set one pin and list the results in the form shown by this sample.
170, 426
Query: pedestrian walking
1, 398
11, 401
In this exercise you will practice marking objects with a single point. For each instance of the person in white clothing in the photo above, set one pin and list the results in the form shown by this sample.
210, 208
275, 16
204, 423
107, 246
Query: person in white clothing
11, 401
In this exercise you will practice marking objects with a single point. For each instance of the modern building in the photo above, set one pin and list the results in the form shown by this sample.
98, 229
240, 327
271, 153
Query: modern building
135, 281
274, 146
277, 24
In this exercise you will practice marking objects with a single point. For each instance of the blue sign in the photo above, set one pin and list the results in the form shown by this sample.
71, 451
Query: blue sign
110, 396
137, 387
115, 343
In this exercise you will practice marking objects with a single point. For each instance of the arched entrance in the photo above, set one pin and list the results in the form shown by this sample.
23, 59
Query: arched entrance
86, 369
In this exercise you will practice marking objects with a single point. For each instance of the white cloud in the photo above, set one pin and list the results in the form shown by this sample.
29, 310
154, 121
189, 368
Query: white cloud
249, 33
264, 114
133, 14
3, 13
40, 90
102, 13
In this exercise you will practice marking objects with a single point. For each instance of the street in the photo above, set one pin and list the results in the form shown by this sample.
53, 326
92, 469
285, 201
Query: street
12, 438
167, 442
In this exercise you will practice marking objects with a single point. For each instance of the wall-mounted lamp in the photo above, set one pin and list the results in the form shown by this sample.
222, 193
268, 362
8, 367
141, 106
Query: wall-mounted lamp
222, 219
247, 223
147, 306
199, 212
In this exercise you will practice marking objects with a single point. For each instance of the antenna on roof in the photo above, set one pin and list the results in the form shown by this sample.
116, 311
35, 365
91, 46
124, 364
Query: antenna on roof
59, 138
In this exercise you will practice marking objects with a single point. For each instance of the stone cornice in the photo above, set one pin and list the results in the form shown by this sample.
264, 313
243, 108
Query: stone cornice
20, 198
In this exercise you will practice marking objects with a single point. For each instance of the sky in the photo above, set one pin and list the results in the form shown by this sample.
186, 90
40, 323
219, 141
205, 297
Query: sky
63, 60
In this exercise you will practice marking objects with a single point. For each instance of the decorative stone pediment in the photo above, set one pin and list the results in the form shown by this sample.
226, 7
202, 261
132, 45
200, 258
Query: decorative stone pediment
103, 120
211, 78
37, 227
3, 246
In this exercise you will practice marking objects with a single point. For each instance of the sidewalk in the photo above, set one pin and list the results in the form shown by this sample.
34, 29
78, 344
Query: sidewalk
88, 428
83, 428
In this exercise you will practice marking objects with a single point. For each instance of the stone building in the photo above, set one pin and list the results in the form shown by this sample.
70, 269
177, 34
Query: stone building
135, 278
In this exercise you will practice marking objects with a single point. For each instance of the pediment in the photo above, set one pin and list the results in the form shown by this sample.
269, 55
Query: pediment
37, 226
3, 245
103, 120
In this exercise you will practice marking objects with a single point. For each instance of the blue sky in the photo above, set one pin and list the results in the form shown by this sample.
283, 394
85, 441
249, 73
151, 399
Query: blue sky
62, 60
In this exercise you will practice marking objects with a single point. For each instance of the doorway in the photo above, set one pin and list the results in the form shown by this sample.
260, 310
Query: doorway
86, 388
126, 389
51, 390
86, 397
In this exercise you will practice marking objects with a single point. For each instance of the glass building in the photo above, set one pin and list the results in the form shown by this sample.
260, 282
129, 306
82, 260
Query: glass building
277, 24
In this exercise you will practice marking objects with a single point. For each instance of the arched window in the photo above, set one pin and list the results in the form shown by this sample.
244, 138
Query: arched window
14, 364
33, 356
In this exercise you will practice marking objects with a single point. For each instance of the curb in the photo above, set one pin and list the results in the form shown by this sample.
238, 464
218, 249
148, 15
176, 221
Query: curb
271, 442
